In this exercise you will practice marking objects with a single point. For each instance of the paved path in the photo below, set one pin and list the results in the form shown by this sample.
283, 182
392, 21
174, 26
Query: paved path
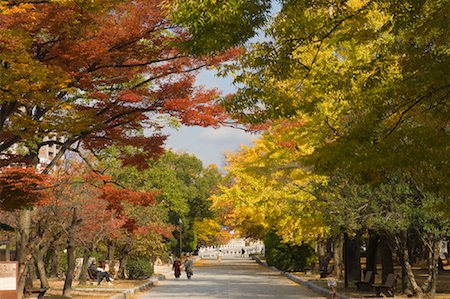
232, 278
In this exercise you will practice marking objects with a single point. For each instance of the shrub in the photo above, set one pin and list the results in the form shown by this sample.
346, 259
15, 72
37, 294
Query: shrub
287, 257
139, 268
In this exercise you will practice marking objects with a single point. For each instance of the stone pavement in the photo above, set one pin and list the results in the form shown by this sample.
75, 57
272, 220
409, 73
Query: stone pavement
233, 278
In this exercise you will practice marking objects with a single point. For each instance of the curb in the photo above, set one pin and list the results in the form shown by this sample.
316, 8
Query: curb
312, 286
146, 285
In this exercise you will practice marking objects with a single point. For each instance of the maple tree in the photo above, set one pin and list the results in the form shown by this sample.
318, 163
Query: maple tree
87, 75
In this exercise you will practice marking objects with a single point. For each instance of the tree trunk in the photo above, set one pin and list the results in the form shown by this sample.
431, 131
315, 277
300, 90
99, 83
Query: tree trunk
71, 254
387, 262
54, 261
22, 249
429, 286
408, 267
372, 247
324, 256
40, 266
338, 257
110, 251
354, 258
84, 266
124, 259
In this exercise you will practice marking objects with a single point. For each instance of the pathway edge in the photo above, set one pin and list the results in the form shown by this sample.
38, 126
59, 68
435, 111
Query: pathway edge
294, 278
146, 285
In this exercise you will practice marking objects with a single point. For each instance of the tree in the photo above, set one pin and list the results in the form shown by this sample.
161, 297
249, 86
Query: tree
267, 189
87, 75
365, 79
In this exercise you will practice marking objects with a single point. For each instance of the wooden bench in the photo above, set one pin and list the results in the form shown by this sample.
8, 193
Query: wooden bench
39, 291
92, 275
388, 287
327, 272
366, 283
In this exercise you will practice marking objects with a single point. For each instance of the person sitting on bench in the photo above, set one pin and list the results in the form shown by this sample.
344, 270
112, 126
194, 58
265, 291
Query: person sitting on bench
100, 271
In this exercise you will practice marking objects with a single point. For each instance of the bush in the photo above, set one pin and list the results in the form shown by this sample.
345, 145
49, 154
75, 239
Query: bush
139, 268
287, 257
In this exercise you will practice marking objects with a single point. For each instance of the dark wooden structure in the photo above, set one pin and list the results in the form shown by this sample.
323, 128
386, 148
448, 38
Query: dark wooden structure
388, 287
39, 291
366, 283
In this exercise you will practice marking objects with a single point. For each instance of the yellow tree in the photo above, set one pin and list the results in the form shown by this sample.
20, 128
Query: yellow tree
268, 189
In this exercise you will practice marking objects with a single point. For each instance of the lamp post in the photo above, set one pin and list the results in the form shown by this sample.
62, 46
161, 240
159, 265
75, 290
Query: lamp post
181, 243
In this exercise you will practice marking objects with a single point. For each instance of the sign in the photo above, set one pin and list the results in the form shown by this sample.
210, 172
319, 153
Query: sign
8, 279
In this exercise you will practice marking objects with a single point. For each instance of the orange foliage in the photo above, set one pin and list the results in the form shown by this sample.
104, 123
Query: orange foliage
22, 187
121, 58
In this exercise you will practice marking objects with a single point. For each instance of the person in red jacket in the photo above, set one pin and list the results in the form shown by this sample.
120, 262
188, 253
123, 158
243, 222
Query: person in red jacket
176, 267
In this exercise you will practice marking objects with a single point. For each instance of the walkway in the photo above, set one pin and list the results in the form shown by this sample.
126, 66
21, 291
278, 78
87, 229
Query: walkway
233, 278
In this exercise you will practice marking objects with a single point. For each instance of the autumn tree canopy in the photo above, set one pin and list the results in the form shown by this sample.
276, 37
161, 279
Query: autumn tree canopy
95, 73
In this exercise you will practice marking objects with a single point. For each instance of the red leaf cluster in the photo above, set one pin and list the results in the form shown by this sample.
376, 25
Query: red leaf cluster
125, 65
22, 187
117, 197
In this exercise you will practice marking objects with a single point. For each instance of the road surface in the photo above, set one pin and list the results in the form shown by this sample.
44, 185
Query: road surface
233, 278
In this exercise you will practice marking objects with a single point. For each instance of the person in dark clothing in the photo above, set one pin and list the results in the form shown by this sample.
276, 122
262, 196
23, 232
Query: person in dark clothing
188, 266
176, 267
100, 272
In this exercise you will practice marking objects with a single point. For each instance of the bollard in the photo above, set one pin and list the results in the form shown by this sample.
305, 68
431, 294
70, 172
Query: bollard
332, 284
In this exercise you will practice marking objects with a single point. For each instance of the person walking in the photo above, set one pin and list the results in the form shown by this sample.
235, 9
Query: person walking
219, 256
170, 263
243, 252
176, 267
188, 267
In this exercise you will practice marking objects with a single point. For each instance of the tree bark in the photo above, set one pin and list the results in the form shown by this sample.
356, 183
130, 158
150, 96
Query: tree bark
22, 249
354, 258
110, 251
372, 247
71, 254
124, 259
387, 262
54, 260
407, 265
338, 257
84, 266
40, 267
429, 286
324, 256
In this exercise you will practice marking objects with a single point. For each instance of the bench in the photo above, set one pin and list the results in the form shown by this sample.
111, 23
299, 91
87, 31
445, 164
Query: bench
39, 291
92, 275
327, 272
388, 287
366, 283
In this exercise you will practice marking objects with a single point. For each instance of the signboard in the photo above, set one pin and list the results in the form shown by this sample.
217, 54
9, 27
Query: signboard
8, 280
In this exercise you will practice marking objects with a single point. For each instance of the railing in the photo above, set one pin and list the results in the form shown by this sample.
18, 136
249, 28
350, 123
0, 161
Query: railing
231, 250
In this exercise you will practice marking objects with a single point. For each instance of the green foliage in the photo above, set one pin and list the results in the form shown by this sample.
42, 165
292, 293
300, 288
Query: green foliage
139, 268
205, 21
285, 256
183, 187
368, 80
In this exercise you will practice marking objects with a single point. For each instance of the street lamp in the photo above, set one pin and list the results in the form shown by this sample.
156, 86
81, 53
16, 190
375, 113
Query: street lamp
181, 244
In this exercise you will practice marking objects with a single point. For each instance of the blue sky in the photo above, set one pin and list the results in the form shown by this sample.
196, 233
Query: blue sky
209, 144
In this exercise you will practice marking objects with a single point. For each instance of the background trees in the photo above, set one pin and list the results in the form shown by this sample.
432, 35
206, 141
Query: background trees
362, 90
88, 75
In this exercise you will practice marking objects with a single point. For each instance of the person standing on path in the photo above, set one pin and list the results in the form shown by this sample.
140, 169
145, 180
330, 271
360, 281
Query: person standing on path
243, 252
170, 263
219, 256
188, 265
176, 267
